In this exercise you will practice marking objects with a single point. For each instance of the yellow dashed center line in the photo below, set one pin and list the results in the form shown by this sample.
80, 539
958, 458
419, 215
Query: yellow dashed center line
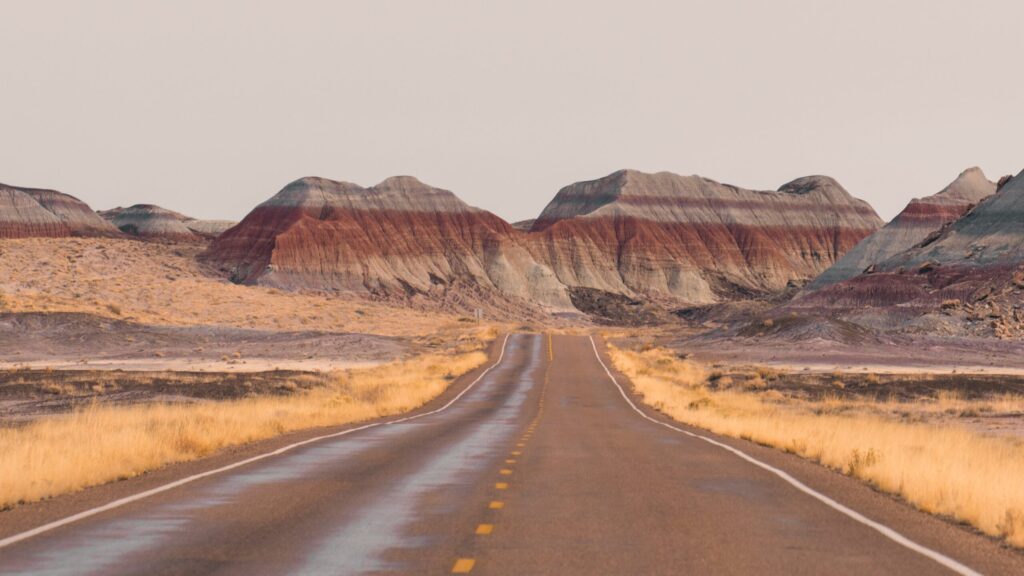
465, 565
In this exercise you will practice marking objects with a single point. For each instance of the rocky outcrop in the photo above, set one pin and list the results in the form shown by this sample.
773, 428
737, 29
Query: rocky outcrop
400, 238
31, 212
694, 240
920, 219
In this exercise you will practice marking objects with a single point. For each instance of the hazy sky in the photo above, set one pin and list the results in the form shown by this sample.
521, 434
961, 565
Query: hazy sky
209, 107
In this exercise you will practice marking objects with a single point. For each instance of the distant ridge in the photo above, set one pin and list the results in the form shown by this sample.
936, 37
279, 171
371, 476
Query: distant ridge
149, 221
33, 212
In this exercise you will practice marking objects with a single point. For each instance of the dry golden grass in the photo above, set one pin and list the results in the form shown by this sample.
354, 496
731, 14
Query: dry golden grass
947, 470
164, 284
101, 444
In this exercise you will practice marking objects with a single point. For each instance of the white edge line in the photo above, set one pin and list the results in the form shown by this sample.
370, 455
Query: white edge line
164, 488
881, 528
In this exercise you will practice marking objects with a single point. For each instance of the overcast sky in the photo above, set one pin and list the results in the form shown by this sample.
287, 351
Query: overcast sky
209, 107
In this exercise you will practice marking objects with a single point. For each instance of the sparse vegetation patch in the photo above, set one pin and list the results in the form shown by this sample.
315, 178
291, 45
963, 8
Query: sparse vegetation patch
100, 443
899, 447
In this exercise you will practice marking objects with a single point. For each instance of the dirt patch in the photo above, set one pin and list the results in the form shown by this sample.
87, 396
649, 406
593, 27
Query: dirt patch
827, 344
29, 394
41, 339
868, 385
990, 404
614, 309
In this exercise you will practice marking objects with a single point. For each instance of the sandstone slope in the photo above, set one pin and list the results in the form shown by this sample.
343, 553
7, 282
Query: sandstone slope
400, 238
694, 240
31, 212
920, 219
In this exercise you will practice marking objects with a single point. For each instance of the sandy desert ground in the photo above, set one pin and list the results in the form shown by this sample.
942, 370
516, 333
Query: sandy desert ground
164, 284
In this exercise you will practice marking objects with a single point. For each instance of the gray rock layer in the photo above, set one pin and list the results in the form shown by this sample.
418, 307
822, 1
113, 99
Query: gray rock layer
920, 219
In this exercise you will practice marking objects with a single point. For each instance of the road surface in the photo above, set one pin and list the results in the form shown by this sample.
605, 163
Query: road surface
540, 465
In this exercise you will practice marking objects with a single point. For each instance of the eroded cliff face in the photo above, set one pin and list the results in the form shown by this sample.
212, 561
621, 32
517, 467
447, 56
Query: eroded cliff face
31, 212
400, 237
694, 240
921, 218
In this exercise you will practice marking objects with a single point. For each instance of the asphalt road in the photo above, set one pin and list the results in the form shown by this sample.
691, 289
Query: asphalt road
539, 466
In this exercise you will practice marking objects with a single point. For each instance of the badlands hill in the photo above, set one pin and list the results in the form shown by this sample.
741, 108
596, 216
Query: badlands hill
153, 222
990, 236
920, 219
660, 236
967, 279
694, 240
31, 212
398, 238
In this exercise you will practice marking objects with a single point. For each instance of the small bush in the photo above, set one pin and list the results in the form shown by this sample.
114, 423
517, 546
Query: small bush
288, 387
755, 383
